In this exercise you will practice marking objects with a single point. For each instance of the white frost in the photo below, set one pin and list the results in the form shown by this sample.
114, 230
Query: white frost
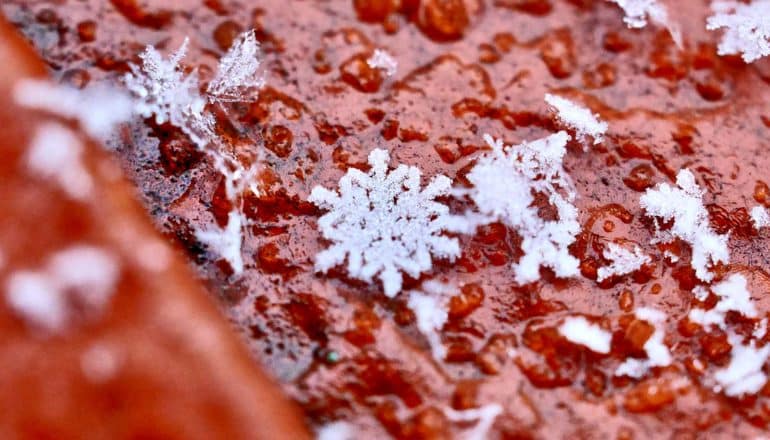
381, 59
430, 307
733, 296
579, 330
485, 415
747, 28
578, 118
238, 71
97, 108
657, 352
336, 431
684, 205
383, 223
759, 217
623, 261
83, 274
226, 242
56, 153
743, 375
637, 12
505, 182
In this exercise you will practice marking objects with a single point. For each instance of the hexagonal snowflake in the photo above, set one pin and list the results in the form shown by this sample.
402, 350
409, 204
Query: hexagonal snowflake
383, 223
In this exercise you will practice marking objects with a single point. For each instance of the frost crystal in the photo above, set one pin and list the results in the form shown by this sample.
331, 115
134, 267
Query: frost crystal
98, 108
578, 118
381, 59
747, 28
430, 307
733, 296
637, 11
226, 242
164, 90
623, 261
579, 330
505, 184
485, 417
743, 375
238, 70
760, 217
684, 205
84, 275
383, 224
56, 153
657, 352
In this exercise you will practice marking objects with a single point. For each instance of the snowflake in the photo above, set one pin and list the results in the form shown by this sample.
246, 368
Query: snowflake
505, 183
684, 205
165, 91
578, 118
381, 59
623, 261
743, 375
637, 11
238, 70
747, 28
383, 223
431, 311
759, 217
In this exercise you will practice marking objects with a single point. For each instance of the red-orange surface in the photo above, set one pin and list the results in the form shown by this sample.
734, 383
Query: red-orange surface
339, 347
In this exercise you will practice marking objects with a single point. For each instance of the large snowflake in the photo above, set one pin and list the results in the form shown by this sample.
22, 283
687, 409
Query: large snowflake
383, 223
747, 28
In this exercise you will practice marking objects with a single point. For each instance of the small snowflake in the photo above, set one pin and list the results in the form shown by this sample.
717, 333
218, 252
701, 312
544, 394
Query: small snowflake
684, 205
381, 59
383, 223
747, 28
238, 70
226, 242
505, 184
638, 11
578, 118
623, 261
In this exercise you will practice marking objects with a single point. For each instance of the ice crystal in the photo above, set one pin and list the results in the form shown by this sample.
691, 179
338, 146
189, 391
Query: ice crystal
684, 205
238, 71
506, 182
226, 242
483, 416
637, 12
383, 223
743, 375
759, 217
431, 310
381, 59
97, 108
164, 90
578, 118
747, 28
56, 153
623, 261
733, 297
658, 354
578, 330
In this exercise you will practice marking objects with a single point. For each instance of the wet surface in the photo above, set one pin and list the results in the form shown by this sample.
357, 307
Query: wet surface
342, 349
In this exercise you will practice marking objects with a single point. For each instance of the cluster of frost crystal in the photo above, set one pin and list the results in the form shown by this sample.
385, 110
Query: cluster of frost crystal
684, 206
383, 223
623, 261
657, 352
164, 90
505, 183
578, 118
747, 28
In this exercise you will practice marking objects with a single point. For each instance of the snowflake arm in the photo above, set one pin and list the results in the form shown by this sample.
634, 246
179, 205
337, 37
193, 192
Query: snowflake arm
163, 90
238, 70
623, 261
226, 242
578, 118
747, 28
383, 223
